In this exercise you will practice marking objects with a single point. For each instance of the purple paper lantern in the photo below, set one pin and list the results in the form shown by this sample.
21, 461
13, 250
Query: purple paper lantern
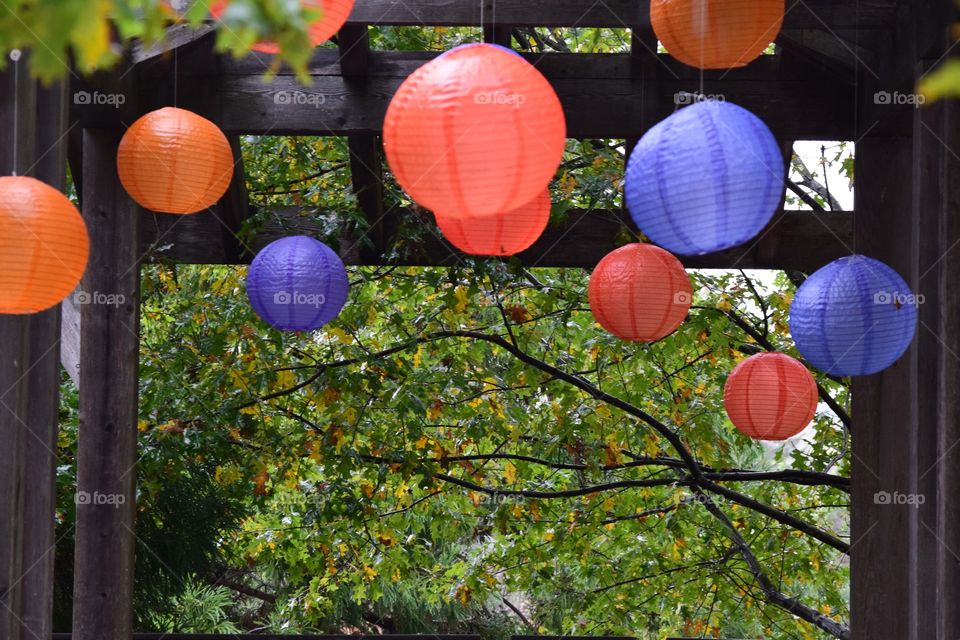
708, 178
854, 317
297, 284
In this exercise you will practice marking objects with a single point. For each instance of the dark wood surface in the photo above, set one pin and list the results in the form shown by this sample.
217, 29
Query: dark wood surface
106, 452
601, 95
865, 14
800, 240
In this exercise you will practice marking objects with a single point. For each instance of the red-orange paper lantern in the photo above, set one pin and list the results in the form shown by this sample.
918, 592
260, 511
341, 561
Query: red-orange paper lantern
174, 161
43, 246
477, 131
770, 396
501, 235
716, 34
333, 15
640, 292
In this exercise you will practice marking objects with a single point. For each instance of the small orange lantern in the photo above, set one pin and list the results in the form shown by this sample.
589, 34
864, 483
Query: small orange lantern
174, 161
716, 34
501, 235
43, 246
770, 396
332, 16
477, 131
640, 292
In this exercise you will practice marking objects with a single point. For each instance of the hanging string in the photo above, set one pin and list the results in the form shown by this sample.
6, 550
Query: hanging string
176, 74
15, 57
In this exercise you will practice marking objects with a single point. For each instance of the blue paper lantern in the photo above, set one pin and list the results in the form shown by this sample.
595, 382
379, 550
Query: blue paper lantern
708, 178
854, 317
297, 284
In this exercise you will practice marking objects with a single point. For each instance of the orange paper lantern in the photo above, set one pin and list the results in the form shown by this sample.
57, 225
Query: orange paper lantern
640, 292
477, 131
174, 161
501, 235
716, 34
770, 396
332, 16
43, 246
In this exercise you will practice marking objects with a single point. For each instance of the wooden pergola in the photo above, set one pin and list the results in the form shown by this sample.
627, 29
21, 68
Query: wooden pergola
833, 57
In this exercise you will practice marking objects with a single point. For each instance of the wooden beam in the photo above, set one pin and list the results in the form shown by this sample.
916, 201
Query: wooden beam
802, 241
599, 94
234, 206
18, 102
106, 452
43, 407
815, 14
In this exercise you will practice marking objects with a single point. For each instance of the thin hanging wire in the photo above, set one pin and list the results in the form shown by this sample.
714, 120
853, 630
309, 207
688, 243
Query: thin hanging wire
15, 57
176, 74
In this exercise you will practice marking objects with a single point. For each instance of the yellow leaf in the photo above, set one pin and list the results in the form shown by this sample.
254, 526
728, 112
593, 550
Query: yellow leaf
510, 473
417, 356
461, 293
549, 536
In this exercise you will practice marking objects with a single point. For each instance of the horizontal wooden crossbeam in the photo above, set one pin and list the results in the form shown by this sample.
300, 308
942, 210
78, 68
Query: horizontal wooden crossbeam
800, 240
602, 95
815, 14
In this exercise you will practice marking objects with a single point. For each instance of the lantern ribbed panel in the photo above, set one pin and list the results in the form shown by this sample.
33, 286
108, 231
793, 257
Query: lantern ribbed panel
297, 284
43, 246
708, 178
476, 131
716, 34
174, 161
500, 235
640, 292
770, 396
333, 15
854, 317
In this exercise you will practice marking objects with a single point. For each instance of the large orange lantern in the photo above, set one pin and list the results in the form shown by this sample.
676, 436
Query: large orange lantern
716, 34
43, 246
174, 161
331, 16
770, 396
640, 292
477, 131
501, 235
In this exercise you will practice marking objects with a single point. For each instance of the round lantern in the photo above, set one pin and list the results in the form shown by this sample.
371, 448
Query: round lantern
501, 235
297, 284
331, 16
854, 317
640, 292
174, 161
770, 396
43, 246
708, 178
476, 131
716, 34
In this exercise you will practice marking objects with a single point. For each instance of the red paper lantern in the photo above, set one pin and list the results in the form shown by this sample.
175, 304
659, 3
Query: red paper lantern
716, 34
477, 131
770, 396
501, 235
43, 246
640, 292
333, 14
174, 161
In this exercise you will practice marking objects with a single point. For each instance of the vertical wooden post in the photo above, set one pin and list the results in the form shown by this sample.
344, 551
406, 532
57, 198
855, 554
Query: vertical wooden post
42, 408
106, 453
17, 105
